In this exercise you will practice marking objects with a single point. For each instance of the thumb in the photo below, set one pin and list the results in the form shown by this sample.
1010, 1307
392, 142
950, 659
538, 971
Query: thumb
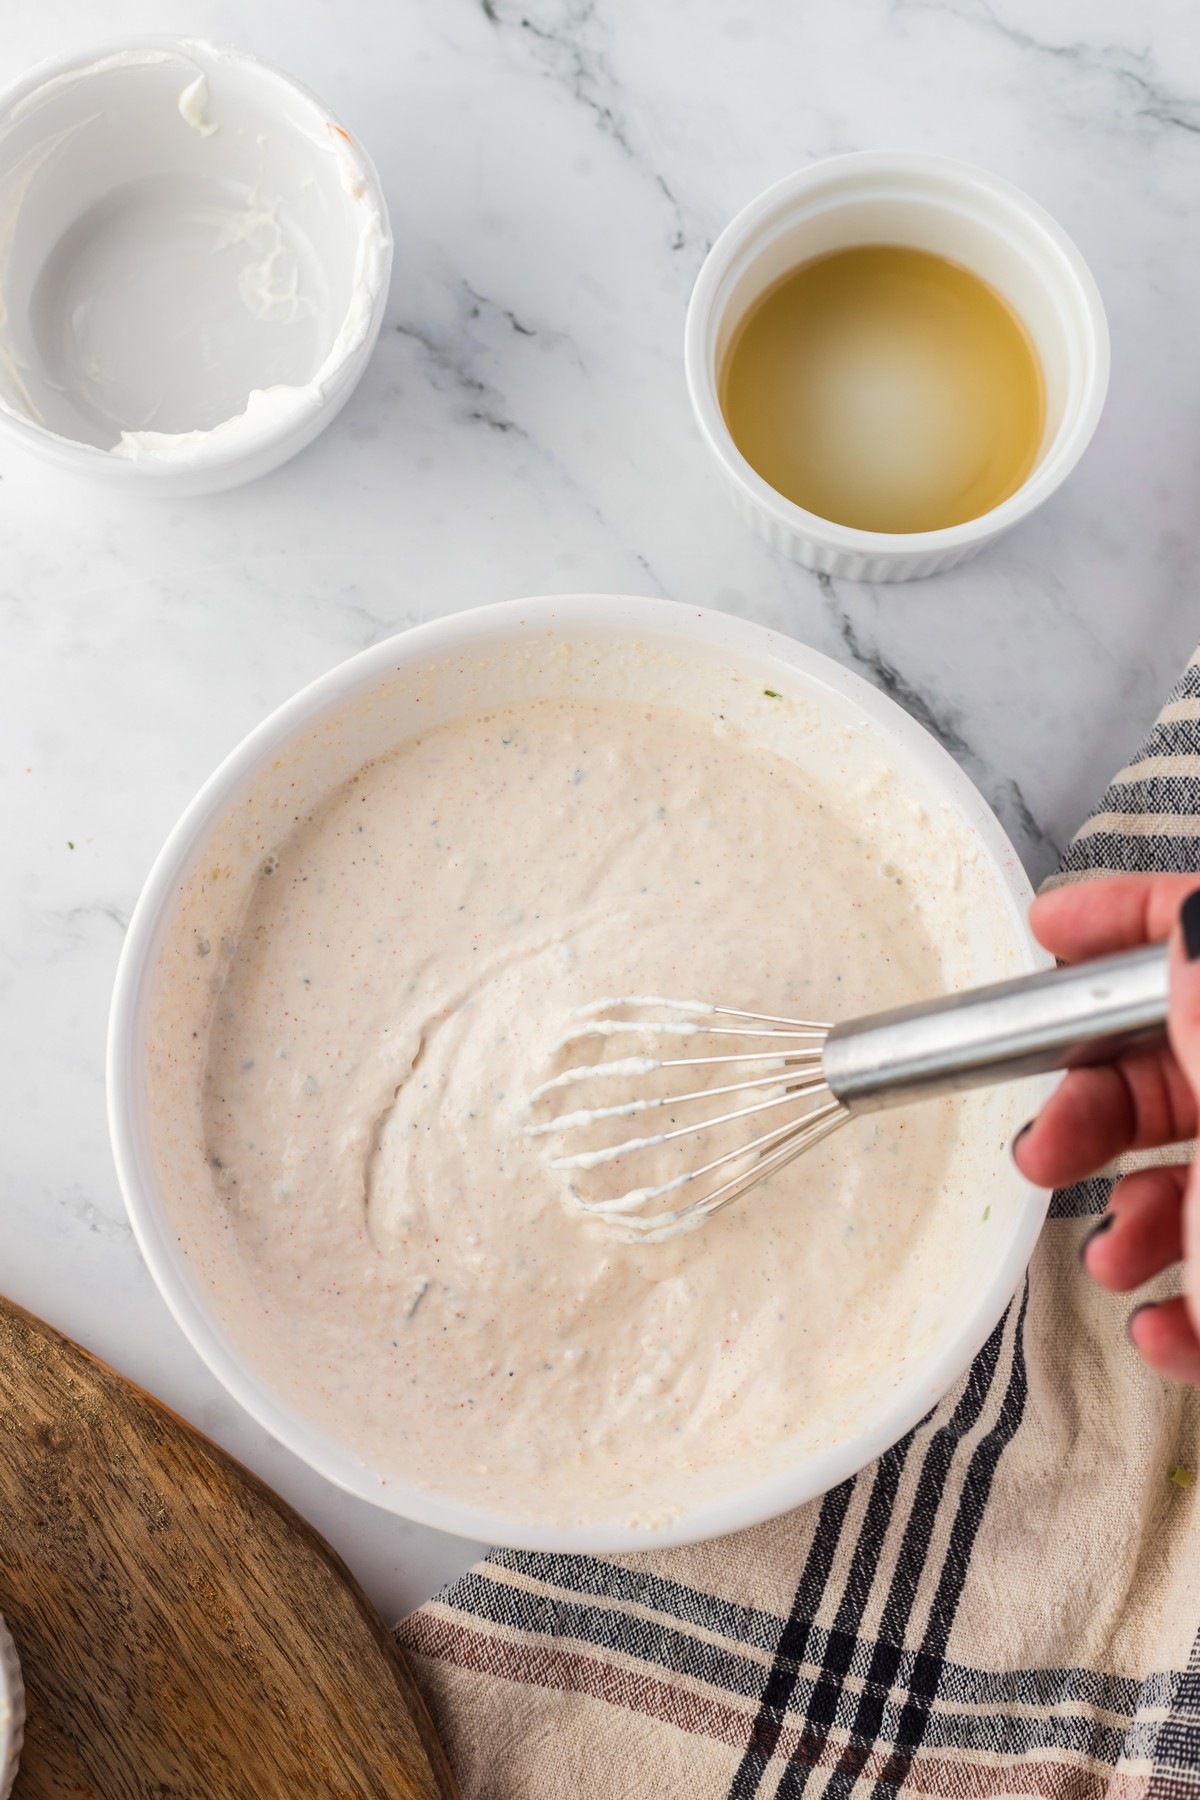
1184, 1029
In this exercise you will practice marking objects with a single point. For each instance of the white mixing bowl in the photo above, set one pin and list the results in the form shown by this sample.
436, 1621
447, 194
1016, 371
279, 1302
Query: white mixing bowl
577, 645
12, 1712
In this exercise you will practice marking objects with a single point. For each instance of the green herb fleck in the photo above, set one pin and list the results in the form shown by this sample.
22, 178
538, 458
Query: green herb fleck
987, 1213
418, 1294
772, 694
1183, 1478
70, 845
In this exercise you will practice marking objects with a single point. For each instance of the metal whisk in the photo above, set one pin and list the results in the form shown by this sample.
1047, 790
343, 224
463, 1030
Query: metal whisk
801, 1080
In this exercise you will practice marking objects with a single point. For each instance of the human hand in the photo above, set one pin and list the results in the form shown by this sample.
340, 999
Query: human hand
1148, 1097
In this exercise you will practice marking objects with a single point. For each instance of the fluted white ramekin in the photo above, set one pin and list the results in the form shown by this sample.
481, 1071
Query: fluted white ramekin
928, 203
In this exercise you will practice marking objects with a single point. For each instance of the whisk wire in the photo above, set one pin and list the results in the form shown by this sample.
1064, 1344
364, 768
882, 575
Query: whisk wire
626, 1110
789, 1060
625, 1203
656, 1228
595, 1159
647, 1065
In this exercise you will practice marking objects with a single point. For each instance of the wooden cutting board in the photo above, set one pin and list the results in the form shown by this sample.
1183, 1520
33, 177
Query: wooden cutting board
184, 1635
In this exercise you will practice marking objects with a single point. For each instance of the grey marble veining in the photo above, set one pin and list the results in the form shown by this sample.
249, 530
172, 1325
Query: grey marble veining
556, 171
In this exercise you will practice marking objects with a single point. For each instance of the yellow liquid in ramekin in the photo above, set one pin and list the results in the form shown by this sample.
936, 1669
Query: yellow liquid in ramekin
886, 389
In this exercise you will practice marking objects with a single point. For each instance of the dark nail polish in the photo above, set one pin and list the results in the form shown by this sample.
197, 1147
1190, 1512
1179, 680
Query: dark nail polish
1189, 919
1024, 1132
1146, 1306
1098, 1230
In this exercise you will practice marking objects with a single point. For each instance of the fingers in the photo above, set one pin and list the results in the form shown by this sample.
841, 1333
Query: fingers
1183, 1024
1148, 1097
1087, 1120
1144, 1099
1166, 1339
1096, 918
1096, 1114
1141, 1234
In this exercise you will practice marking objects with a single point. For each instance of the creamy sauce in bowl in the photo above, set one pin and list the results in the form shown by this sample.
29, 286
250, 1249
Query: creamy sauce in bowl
407, 956
559, 799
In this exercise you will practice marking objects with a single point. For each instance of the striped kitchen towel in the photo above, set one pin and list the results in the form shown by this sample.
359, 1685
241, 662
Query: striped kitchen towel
1006, 1603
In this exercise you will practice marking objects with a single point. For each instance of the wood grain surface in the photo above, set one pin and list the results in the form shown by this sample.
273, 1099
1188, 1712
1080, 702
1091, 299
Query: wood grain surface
183, 1633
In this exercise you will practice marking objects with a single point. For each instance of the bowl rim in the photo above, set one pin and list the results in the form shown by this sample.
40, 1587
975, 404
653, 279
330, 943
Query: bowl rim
248, 446
868, 166
12, 1709
581, 617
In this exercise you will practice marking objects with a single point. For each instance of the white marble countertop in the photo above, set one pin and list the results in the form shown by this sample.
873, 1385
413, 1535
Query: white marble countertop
556, 170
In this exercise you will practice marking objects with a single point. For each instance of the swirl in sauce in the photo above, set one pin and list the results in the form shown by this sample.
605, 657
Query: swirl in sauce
406, 959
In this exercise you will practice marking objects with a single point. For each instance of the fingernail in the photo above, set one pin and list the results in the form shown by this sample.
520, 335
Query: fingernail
1146, 1306
1024, 1132
1189, 919
1105, 1224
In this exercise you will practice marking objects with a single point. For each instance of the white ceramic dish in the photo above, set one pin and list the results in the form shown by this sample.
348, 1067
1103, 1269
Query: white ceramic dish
194, 259
369, 705
929, 203
12, 1711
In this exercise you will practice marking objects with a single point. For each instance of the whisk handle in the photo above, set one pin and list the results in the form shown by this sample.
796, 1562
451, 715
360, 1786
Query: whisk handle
1085, 1013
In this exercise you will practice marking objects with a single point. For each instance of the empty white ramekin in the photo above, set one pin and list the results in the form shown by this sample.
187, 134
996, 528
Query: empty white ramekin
578, 645
194, 260
928, 203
